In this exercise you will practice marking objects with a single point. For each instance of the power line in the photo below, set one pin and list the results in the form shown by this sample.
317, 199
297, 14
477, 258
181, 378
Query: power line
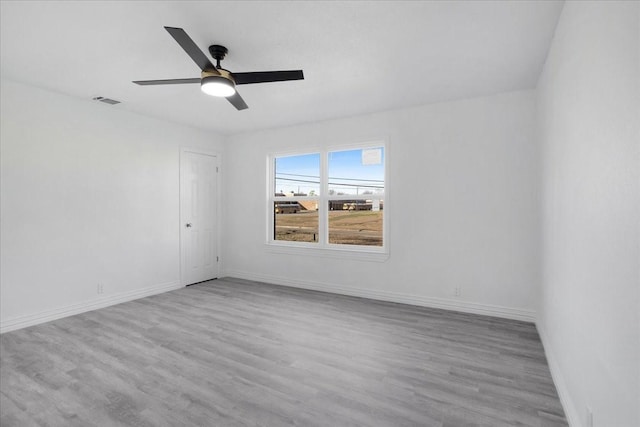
332, 177
331, 183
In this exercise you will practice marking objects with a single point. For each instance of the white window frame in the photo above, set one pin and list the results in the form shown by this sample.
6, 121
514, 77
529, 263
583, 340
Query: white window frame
323, 247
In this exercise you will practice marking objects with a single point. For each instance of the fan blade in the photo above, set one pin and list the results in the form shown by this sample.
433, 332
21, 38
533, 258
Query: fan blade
267, 76
191, 48
166, 82
237, 101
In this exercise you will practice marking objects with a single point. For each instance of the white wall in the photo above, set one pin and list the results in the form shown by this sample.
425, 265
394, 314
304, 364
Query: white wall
89, 194
462, 199
588, 104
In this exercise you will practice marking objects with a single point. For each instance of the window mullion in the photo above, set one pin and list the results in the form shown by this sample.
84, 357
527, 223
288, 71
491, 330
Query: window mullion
323, 216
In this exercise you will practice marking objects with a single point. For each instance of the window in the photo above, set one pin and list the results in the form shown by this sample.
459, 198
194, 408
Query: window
295, 198
329, 199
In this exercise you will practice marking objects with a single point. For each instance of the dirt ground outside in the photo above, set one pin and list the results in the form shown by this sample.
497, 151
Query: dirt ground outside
345, 227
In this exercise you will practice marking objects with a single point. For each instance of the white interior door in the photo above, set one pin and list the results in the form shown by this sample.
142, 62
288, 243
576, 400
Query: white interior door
198, 217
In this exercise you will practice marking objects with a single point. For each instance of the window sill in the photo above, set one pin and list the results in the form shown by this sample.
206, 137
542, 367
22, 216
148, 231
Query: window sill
329, 252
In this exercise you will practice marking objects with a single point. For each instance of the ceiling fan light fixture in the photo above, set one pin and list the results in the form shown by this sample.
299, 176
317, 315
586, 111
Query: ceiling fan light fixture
215, 80
218, 86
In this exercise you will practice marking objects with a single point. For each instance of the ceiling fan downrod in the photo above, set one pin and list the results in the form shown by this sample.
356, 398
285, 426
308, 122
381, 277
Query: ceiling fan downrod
218, 53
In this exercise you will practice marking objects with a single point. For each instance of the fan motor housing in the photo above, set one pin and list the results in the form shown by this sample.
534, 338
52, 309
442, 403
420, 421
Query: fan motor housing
220, 72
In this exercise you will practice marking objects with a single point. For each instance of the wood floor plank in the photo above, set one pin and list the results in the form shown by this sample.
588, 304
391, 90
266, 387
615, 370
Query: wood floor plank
237, 353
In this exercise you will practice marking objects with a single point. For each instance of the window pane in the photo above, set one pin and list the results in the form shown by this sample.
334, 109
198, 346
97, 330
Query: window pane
296, 221
357, 172
297, 175
356, 222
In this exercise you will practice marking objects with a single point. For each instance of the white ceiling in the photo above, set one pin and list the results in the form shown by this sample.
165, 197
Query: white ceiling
357, 57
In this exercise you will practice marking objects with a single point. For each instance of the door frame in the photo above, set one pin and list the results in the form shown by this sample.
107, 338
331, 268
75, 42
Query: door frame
218, 211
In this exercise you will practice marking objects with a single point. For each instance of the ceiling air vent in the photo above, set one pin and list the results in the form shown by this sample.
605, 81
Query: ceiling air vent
106, 100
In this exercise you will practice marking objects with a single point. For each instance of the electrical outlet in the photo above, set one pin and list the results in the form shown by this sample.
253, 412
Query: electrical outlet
456, 291
589, 417
100, 288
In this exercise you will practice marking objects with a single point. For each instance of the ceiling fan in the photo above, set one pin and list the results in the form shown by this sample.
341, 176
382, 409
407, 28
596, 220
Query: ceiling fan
215, 80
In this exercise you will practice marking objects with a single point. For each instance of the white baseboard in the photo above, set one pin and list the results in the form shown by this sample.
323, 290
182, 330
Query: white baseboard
105, 301
423, 301
558, 379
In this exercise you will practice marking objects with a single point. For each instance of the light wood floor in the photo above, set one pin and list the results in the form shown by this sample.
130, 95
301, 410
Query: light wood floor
236, 353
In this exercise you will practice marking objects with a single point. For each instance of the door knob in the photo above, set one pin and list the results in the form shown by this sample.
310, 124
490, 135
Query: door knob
188, 225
